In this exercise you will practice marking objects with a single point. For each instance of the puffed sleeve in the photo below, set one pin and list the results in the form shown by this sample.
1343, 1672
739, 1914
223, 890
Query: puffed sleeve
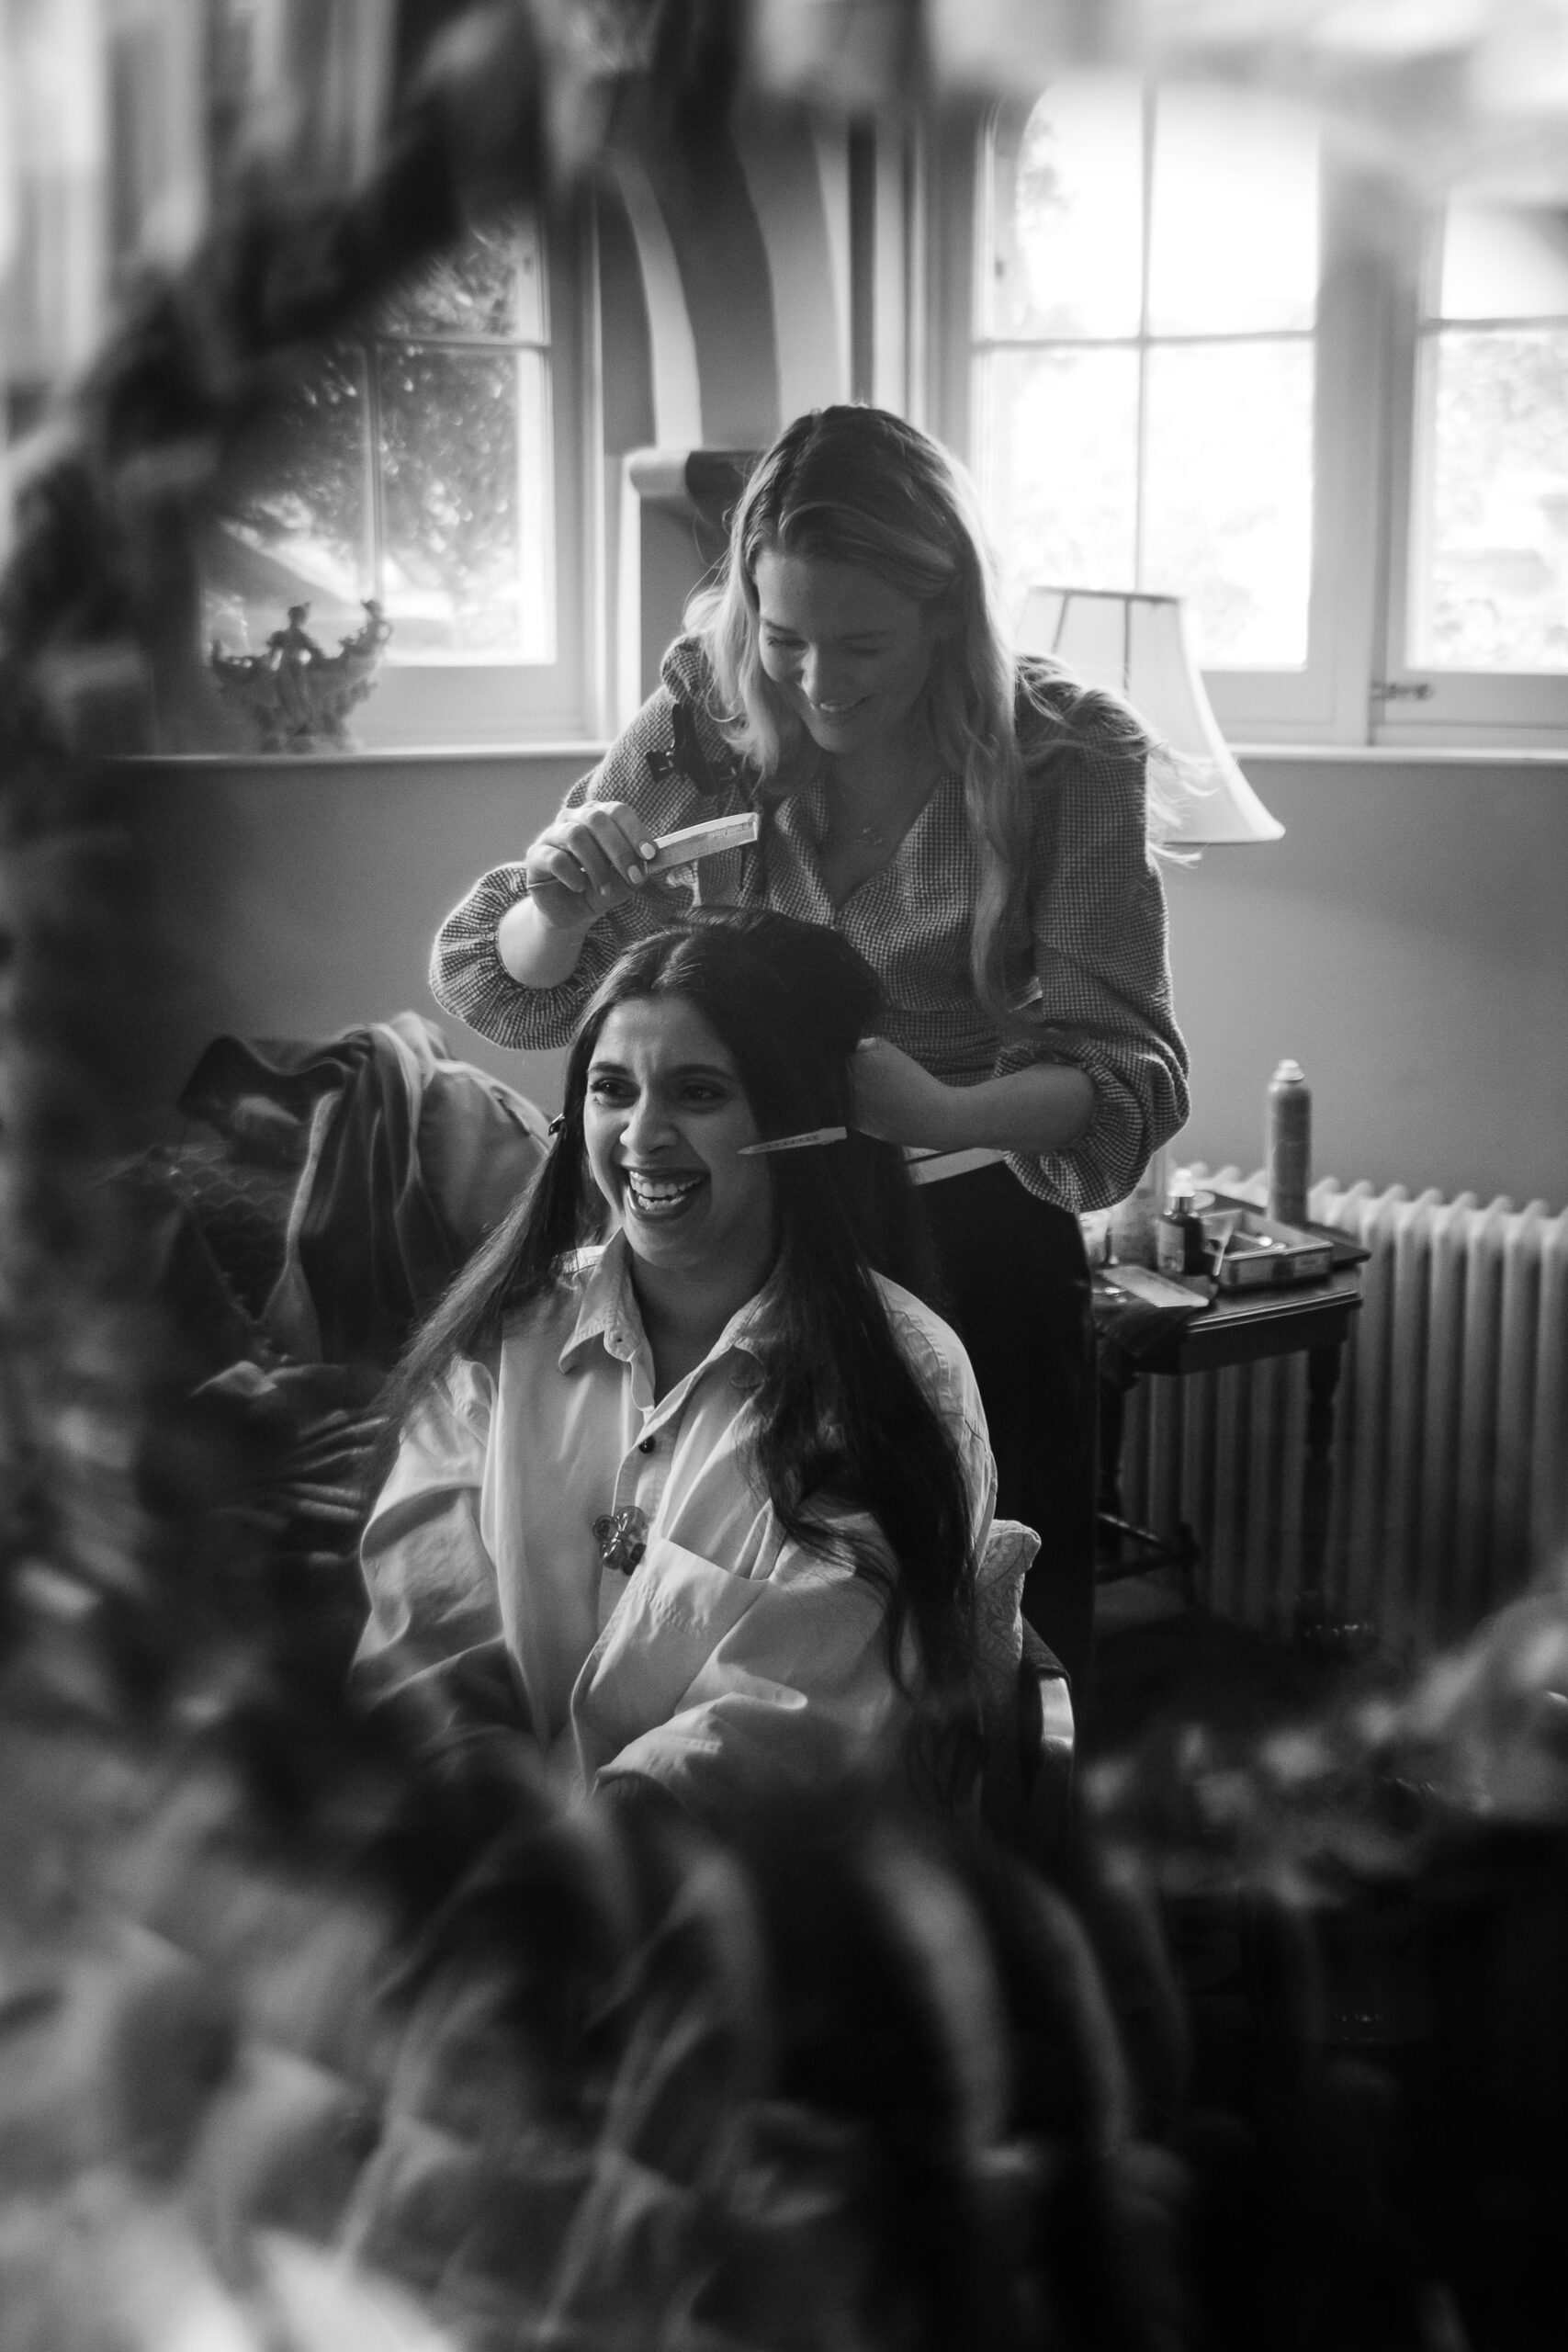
1101, 976
434, 1629
673, 766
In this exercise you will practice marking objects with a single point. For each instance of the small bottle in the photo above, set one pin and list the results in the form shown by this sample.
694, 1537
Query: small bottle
1178, 1234
1289, 1144
1133, 1221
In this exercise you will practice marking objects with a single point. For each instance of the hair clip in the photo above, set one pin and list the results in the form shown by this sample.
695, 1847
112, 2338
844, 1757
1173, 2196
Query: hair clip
794, 1143
556, 1124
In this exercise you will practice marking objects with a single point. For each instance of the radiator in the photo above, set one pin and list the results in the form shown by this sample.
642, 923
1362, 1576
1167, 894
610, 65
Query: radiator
1450, 1450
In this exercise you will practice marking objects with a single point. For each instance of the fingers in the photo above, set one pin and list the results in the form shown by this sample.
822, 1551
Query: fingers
594, 855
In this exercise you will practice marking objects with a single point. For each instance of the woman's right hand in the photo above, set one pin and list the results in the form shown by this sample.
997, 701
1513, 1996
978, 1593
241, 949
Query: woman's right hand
588, 861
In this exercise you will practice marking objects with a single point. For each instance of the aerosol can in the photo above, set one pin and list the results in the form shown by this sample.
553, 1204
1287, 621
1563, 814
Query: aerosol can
1289, 1144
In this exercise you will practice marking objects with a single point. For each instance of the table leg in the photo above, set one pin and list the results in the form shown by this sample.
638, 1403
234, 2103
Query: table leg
1317, 1630
1114, 1532
1112, 1412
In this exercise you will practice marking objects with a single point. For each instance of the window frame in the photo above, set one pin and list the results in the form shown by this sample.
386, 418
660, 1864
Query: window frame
1511, 709
1357, 689
469, 706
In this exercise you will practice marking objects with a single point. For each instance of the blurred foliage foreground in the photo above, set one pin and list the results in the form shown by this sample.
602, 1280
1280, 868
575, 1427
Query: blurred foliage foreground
321, 2030
314, 2031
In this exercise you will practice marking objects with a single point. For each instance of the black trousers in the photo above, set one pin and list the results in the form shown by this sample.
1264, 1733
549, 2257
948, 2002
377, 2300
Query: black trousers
1015, 1285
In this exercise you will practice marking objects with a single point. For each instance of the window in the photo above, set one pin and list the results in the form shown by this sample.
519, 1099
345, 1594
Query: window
429, 461
1479, 618
1145, 360
1207, 357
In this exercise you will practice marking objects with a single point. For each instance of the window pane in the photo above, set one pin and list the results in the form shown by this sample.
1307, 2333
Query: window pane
1068, 257
1228, 496
1233, 238
1491, 568
461, 490
296, 522
492, 284
1062, 471
1500, 263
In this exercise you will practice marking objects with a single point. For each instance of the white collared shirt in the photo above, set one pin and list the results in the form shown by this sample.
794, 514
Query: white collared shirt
731, 1654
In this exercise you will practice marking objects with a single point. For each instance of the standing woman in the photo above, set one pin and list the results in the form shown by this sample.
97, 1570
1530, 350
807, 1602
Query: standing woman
975, 825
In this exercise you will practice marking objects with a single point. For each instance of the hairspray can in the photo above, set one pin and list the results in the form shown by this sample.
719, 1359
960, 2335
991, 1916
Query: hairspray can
1289, 1144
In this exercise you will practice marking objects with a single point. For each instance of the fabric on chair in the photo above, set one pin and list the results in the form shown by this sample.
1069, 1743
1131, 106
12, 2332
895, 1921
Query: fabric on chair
357, 1172
1025, 1703
1009, 1555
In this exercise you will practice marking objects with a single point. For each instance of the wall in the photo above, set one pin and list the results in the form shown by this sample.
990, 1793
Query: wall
1406, 941
295, 898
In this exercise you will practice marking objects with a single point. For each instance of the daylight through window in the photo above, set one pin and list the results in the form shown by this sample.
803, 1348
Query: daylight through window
1144, 359
1489, 520
410, 463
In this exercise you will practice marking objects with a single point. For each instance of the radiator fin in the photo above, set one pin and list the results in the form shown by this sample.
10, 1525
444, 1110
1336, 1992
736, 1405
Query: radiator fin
1450, 1469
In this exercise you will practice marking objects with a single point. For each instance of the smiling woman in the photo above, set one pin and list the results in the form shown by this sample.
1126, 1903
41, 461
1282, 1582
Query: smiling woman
665, 1122
698, 1507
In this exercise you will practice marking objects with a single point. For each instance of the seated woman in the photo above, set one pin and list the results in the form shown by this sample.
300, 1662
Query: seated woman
704, 1502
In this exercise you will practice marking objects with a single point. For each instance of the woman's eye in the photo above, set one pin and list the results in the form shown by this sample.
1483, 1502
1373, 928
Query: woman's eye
608, 1090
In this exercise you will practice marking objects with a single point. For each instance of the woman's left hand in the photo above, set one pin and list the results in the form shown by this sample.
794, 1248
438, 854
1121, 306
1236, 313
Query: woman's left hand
1040, 1109
897, 1100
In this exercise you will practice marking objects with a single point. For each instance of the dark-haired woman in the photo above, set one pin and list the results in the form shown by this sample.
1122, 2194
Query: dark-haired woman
977, 825
709, 1496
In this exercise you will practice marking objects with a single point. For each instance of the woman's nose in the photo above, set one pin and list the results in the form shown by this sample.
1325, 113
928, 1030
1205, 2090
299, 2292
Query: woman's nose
820, 678
648, 1126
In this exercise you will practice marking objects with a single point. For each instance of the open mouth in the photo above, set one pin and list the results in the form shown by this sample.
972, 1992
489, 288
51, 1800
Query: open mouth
837, 710
659, 1200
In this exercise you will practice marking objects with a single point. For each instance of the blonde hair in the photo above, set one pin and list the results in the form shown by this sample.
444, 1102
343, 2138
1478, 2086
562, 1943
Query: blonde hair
858, 485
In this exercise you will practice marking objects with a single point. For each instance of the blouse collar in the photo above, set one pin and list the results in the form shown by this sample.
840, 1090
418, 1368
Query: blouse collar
609, 1314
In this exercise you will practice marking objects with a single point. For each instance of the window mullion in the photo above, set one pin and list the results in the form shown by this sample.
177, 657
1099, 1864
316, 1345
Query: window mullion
1404, 461
1140, 503
374, 479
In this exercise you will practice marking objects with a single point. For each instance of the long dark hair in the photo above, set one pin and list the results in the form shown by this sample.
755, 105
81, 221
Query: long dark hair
839, 1419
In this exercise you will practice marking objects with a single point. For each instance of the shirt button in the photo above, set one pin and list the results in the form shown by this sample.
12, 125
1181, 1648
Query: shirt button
647, 1444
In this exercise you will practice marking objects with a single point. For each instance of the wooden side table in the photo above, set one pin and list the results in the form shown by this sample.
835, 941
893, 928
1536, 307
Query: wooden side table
1239, 1327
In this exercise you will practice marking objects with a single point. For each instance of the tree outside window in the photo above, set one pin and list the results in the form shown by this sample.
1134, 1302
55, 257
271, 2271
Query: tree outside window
410, 463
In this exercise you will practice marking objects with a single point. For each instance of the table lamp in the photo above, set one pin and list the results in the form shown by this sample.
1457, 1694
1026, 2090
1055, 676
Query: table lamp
1136, 645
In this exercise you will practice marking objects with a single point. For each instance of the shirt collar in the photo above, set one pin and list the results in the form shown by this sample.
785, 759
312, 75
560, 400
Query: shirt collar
609, 1313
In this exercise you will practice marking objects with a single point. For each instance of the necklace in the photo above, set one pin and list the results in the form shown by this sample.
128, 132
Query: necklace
877, 836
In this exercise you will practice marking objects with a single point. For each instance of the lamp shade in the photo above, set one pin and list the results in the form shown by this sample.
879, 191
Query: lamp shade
1136, 646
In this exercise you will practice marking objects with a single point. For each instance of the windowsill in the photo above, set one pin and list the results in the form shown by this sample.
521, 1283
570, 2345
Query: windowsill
1473, 755
589, 750
373, 755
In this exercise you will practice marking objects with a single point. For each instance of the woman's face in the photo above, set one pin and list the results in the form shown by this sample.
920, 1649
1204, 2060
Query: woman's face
664, 1118
850, 655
